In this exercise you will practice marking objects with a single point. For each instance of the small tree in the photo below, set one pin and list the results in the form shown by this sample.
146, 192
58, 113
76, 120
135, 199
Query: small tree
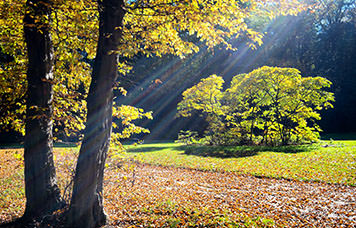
269, 105
206, 97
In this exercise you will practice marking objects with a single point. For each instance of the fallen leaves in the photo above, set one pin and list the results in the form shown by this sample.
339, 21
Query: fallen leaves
12, 193
205, 198
141, 195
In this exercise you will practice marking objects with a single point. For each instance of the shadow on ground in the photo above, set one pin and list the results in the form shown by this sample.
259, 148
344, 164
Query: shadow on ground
56, 144
242, 151
146, 149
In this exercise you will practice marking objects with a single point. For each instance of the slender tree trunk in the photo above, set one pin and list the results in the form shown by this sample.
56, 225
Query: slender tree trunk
86, 208
42, 192
251, 131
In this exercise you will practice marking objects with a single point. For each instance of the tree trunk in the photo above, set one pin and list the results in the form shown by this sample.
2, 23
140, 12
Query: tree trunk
42, 192
86, 208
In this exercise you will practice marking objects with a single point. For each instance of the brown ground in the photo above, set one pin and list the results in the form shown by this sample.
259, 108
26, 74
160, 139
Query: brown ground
288, 203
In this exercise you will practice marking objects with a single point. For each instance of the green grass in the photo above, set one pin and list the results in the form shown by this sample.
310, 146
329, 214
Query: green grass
171, 214
330, 162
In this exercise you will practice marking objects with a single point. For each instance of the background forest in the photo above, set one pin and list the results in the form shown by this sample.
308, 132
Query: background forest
321, 42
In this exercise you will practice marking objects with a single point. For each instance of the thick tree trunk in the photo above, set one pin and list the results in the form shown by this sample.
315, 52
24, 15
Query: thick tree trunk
42, 192
86, 208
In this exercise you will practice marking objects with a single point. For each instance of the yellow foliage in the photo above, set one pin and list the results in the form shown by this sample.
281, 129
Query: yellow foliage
269, 105
156, 27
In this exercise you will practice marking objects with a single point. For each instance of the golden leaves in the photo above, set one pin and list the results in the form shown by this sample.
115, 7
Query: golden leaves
156, 27
204, 96
126, 115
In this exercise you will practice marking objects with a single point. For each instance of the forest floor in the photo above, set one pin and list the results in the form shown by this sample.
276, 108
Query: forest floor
138, 194
164, 195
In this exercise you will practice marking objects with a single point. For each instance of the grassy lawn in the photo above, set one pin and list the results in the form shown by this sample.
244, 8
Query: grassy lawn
331, 161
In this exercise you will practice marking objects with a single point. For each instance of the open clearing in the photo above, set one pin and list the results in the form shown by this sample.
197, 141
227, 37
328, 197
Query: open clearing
141, 194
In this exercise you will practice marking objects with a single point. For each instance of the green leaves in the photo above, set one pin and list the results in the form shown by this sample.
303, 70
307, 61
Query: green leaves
269, 105
126, 115
204, 96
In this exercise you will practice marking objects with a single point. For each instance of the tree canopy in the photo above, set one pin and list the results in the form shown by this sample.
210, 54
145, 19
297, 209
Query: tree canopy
149, 27
269, 105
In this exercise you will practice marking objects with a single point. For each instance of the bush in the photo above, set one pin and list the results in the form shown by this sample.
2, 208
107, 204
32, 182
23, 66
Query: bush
270, 106
187, 137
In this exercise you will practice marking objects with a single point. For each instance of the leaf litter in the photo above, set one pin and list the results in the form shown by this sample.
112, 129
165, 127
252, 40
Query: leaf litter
287, 203
142, 195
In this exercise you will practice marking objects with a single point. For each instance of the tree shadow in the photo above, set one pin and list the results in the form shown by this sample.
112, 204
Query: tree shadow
50, 220
290, 149
56, 145
218, 151
11, 224
145, 149
11, 146
242, 151
66, 144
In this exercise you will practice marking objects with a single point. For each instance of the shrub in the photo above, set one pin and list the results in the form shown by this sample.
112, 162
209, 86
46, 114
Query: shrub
270, 105
187, 137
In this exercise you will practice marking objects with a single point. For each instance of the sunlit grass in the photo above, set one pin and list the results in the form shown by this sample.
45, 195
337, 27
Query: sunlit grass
171, 214
331, 161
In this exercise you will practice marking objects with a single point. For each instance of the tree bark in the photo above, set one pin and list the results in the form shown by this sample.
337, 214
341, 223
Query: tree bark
86, 209
42, 192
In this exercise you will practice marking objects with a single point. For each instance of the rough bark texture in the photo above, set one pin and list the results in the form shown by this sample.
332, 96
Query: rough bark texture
86, 208
42, 192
